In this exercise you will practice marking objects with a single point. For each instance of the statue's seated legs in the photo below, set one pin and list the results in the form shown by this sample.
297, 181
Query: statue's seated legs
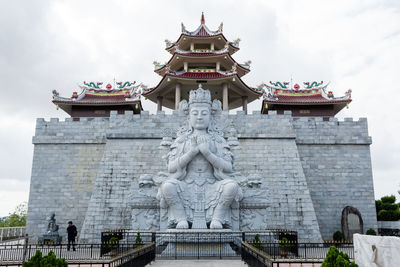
171, 199
221, 214
226, 192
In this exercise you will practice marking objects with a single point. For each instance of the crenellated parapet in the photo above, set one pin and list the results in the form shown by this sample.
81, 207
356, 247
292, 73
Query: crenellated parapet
317, 131
71, 131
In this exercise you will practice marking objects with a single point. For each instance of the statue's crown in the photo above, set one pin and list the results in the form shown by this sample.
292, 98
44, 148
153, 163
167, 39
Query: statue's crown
200, 96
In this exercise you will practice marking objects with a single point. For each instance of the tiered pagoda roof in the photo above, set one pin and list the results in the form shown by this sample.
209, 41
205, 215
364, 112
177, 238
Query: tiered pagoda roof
202, 56
310, 100
94, 100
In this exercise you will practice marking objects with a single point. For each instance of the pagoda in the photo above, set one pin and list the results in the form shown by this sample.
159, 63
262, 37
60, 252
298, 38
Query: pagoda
96, 100
202, 57
311, 99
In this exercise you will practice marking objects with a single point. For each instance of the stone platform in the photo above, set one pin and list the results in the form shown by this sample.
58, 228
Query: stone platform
202, 243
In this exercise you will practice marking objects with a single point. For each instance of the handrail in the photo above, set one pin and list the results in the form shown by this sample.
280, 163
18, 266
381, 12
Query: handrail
11, 232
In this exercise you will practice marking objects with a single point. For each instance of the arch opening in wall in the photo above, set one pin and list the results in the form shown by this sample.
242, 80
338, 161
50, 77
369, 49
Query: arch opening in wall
352, 222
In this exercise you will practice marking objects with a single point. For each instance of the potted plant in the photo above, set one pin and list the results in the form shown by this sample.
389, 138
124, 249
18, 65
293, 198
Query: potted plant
138, 241
338, 238
257, 242
113, 245
284, 246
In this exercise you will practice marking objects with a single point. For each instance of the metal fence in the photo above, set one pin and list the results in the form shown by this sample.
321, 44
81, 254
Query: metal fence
13, 255
7, 233
294, 250
276, 254
178, 244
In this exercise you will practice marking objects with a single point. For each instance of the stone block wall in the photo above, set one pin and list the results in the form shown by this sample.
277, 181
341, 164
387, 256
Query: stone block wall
65, 163
336, 160
310, 169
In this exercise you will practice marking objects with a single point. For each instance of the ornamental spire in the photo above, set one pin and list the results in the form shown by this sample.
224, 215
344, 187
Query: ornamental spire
203, 21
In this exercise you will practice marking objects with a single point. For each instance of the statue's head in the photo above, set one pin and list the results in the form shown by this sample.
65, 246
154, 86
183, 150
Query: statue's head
200, 108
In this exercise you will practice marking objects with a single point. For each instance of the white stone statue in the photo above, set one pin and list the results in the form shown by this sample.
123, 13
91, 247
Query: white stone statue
200, 190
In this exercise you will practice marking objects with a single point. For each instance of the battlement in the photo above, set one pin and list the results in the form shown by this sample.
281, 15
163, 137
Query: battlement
86, 130
317, 131
306, 130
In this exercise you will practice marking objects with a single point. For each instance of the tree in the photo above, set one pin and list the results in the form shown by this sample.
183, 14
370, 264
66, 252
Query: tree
17, 218
387, 209
336, 258
50, 260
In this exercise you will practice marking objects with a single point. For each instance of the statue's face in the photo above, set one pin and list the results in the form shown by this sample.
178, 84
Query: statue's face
199, 116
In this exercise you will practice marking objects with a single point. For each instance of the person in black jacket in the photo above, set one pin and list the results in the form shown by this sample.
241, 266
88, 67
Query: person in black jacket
72, 233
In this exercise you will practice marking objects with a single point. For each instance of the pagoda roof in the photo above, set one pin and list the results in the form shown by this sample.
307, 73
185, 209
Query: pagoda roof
212, 78
315, 93
203, 32
242, 68
310, 94
94, 94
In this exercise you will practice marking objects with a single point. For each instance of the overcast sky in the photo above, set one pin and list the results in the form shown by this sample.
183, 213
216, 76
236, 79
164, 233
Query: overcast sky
46, 45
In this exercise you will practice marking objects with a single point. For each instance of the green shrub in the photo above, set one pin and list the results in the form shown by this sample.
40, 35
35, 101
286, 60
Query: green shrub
389, 215
387, 209
336, 258
338, 236
370, 232
257, 242
378, 205
47, 261
113, 243
389, 199
389, 206
284, 244
138, 241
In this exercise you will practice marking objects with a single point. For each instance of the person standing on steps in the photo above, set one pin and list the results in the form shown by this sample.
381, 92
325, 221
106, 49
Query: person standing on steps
72, 233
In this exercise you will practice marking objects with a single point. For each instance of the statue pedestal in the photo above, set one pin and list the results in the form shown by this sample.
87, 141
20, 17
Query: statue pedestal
50, 239
199, 243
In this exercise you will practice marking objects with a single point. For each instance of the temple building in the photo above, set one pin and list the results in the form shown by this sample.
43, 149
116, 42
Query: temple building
311, 100
296, 165
203, 57
97, 101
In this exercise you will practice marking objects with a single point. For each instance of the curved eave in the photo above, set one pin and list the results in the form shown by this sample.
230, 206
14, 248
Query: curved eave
327, 102
67, 105
232, 49
338, 105
244, 70
152, 94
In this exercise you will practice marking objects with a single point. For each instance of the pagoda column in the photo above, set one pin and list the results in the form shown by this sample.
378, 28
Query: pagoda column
244, 103
185, 66
159, 103
225, 105
212, 46
218, 65
191, 46
177, 95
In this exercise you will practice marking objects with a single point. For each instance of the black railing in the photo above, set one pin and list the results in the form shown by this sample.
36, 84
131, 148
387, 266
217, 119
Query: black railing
294, 250
13, 254
197, 244
275, 254
255, 257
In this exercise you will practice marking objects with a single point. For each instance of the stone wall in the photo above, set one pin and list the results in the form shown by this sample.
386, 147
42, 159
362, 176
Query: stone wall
336, 160
65, 163
310, 169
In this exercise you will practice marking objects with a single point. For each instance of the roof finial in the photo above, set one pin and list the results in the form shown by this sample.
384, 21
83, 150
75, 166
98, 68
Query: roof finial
202, 18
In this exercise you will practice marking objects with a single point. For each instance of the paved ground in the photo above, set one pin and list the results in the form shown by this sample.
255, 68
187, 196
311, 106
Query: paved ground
215, 263
203, 263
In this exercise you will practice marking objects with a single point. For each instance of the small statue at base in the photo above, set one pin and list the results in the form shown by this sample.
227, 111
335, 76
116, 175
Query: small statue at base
52, 236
